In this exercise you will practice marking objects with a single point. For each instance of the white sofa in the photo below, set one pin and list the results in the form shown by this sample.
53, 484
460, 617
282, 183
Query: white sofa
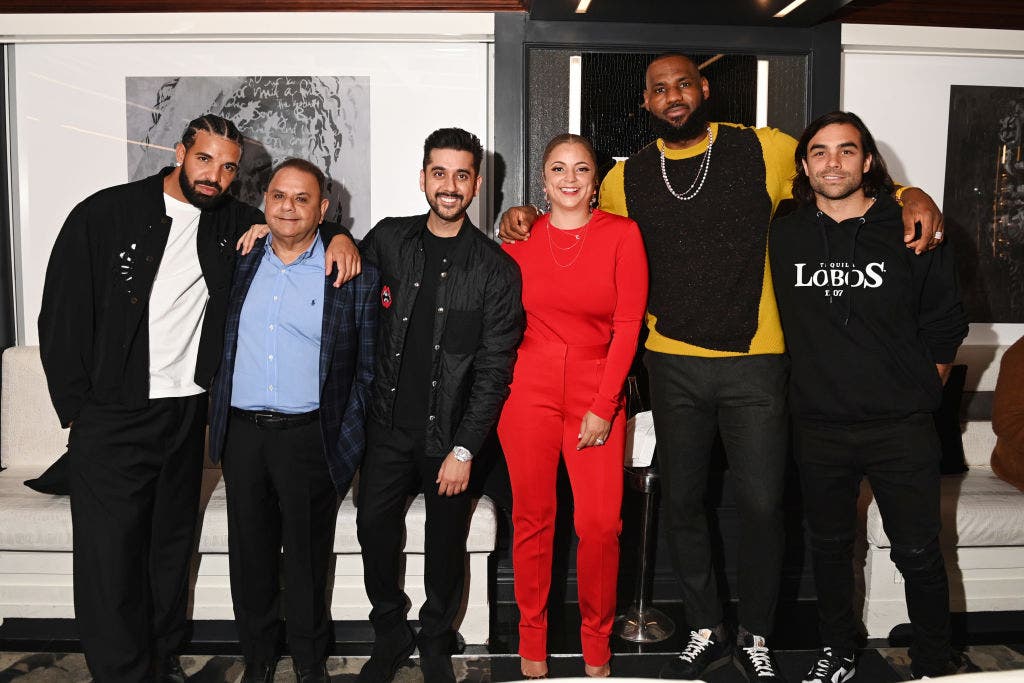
35, 535
982, 526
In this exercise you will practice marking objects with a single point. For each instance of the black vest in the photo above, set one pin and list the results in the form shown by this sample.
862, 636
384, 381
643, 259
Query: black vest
706, 255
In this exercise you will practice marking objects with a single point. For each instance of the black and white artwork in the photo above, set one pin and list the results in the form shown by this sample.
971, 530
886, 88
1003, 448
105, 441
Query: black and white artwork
323, 119
984, 199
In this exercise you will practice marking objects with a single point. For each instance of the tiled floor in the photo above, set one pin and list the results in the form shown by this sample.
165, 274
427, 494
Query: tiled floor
875, 666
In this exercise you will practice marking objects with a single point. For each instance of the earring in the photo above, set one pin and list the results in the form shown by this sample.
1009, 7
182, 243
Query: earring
547, 203
593, 201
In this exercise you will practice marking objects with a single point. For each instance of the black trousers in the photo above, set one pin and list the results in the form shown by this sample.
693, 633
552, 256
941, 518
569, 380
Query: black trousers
901, 461
744, 399
393, 469
135, 479
279, 492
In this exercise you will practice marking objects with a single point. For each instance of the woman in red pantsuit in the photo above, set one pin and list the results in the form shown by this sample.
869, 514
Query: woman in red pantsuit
584, 292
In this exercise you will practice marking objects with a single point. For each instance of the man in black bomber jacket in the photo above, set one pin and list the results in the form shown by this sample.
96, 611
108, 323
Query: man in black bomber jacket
451, 318
130, 330
872, 330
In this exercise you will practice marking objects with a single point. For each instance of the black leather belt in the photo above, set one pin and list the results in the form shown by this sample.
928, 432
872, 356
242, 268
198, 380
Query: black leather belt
272, 420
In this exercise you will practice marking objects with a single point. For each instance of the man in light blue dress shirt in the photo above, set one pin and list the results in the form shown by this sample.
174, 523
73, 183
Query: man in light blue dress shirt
288, 416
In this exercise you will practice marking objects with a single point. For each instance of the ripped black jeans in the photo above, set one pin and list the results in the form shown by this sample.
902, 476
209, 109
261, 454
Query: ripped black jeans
900, 458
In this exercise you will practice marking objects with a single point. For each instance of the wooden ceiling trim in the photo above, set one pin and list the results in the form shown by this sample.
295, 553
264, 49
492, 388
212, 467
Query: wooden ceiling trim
1006, 14
134, 6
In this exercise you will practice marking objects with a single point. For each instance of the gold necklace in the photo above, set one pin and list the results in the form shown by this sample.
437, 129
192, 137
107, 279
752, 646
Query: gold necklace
580, 240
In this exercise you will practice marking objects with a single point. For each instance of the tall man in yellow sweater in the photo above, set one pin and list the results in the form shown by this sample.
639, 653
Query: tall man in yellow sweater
704, 194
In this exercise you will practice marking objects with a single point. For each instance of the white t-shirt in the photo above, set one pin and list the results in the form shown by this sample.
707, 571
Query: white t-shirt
177, 307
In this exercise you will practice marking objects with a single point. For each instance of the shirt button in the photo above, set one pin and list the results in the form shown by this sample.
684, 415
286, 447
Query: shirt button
392, 388
415, 284
398, 354
434, 383
149, 259
444, 274
440, 309
270, 357
437, 347
283, 270
405, 319
432, 418
271, 387
275, 298
134, 299
271, 326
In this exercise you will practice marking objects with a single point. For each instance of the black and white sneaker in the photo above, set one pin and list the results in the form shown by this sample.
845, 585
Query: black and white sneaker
756, 661
831, 667
703, 652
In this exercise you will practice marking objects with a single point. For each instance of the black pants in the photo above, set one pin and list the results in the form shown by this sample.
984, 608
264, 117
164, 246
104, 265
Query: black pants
744, 399
901, 461
279, 492
135, 480
393, 469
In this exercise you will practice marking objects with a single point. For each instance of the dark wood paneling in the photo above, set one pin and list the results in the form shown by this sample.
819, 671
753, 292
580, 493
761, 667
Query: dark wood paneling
95, 6
713, 12
1007, 14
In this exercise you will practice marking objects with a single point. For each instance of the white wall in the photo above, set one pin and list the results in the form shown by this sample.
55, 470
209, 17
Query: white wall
68, 112
897, 79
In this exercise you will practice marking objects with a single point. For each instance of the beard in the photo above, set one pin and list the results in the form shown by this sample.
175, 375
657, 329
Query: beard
197, 199
837, 191
448, 213
695, 125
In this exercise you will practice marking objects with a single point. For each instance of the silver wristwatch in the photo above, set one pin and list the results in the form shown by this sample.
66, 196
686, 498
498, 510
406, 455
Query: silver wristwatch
462, 454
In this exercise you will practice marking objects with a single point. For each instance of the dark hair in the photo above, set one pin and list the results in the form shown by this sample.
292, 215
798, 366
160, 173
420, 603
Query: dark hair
457, 139
570, 138
876, 179
214, 125
674, 55
306, 167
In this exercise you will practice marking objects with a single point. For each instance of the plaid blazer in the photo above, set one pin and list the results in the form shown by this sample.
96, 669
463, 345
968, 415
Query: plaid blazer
347, 345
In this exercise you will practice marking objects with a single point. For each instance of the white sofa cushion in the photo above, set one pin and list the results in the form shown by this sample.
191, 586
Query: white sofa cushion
978, 509
39, 522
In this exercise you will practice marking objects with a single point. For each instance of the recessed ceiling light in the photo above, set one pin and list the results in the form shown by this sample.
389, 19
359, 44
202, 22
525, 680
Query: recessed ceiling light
583, 7
785, 10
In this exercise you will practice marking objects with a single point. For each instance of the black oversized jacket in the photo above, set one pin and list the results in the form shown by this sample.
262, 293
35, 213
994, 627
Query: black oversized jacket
94, 319
478, 323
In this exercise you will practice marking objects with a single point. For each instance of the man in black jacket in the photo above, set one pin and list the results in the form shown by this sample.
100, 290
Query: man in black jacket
872, 330
450, 320
130, 329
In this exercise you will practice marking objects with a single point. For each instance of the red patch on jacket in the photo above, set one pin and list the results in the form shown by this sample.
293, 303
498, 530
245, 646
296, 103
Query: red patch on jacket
385, 296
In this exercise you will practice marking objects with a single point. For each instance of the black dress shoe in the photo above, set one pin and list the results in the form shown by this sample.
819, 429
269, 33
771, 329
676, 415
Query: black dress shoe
259, 672
437, 668
168, 670
313, 673
389, 653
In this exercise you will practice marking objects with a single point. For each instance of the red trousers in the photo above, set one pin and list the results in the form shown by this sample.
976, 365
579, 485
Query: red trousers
553, 387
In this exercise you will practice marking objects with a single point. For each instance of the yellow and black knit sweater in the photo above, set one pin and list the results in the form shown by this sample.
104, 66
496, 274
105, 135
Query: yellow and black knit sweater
711, 290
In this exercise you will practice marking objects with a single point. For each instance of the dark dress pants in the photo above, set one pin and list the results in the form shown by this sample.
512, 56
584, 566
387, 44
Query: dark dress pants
135, 479
279, 492
395, 468
901, 461
744, 399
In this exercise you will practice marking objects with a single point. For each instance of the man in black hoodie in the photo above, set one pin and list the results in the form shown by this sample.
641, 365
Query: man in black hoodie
872, 330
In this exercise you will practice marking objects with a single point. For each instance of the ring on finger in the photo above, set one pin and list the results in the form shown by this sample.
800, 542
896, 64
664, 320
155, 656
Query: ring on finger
599, 441
938, 234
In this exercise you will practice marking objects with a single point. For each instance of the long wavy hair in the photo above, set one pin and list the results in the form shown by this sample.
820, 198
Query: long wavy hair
876, 179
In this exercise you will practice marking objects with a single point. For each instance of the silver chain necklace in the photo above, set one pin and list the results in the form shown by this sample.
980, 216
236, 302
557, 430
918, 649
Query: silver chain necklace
702, 173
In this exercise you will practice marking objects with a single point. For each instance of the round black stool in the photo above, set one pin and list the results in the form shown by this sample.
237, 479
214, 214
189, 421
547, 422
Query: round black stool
642, 623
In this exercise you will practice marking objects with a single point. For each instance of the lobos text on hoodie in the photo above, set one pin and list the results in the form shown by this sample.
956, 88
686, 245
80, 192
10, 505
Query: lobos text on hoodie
864, 317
